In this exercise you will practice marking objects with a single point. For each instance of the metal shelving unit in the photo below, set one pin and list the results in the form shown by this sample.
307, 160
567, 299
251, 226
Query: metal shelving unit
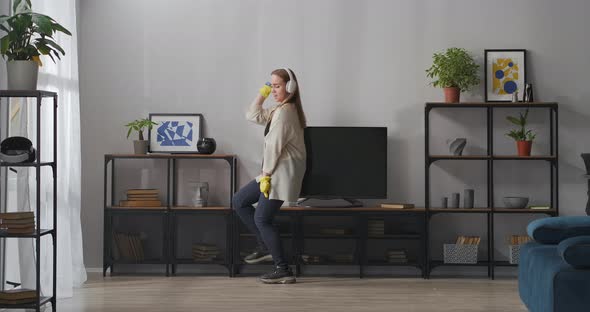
38, 164
168, 213
490, 158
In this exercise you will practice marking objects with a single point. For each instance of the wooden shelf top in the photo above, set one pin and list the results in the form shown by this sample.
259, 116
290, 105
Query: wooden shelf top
191, 208
352, 209
166, 156
496, 157
138, 208
462, 210
490, 104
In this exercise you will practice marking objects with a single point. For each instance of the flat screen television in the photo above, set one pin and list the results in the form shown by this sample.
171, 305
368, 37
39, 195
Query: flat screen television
345, 163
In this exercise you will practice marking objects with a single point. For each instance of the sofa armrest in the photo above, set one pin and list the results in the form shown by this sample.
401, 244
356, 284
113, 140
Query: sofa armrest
554, 230
575, 251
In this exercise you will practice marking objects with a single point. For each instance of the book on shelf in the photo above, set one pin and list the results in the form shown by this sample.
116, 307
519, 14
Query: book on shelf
539, 207
142, 192
18, 301
17, 221
16, 215
397, 205
18, 294
140, 203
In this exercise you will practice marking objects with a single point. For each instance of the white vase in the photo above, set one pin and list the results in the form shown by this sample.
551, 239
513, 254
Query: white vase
22, 75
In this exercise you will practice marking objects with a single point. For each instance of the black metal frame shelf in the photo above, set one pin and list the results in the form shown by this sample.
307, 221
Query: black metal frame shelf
38, 164
552, 159
360, 216
169, 212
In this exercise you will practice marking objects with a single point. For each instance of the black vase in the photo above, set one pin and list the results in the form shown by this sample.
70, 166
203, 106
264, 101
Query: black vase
206, 145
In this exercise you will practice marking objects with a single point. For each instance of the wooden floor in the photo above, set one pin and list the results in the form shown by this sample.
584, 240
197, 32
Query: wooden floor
242, 294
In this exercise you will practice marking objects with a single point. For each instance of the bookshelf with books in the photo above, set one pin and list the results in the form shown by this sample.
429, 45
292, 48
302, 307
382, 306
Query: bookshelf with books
141, 225
27, 224
491, 157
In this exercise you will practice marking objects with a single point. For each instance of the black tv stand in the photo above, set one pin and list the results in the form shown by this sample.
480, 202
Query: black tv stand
352, 203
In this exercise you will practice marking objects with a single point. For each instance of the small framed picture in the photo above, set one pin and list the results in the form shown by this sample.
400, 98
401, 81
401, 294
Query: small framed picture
505, 73
175, 133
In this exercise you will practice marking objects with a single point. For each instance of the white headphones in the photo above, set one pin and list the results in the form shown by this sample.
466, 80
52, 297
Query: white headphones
291, 84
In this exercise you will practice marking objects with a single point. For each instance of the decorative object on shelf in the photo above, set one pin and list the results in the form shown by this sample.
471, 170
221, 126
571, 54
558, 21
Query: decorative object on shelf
515, 96
199, 193
456, 146
376, 227
528, 93
17, 150
18, 296
28, 36
176, 133
140, 146
445, 202
505, 73
206, 146
515, 202
455, 71
464, 251
455, 200
468, 198
523, 137
514, 247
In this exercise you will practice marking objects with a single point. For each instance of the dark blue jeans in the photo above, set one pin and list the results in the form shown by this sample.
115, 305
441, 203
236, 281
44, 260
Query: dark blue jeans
259, 219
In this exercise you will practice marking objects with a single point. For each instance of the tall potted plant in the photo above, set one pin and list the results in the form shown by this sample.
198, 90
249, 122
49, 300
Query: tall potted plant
523, 137
140, 146
28, 35
455, 71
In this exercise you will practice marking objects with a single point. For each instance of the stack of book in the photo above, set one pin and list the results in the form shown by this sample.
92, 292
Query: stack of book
540, 207
397, 256
205, 252
519, 239
397, 205
376, 227
17, 222
129, 247
342, 258
336, 231
18, 296
311, 259
142, 198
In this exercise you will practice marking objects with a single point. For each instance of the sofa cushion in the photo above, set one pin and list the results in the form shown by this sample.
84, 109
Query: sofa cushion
554, 230
576, 251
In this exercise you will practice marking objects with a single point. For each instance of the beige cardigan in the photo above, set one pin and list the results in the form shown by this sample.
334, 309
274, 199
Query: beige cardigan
284, 155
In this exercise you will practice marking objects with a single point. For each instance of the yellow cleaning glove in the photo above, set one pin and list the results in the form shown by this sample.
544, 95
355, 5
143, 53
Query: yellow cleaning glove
265, 185
265, 90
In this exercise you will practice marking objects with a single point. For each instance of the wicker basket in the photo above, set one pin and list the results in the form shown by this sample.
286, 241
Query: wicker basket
513, 253
460, 253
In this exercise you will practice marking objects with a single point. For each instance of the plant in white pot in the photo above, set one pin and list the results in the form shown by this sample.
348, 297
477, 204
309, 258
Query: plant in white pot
455, 71
140, 146
28, 35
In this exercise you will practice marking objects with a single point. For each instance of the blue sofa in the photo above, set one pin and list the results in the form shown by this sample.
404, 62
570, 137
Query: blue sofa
554, 269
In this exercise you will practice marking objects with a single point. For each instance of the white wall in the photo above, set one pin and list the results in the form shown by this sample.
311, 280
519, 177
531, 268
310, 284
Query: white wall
359, 63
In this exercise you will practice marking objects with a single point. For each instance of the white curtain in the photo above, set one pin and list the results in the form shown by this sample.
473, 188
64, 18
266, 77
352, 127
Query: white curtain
60, 77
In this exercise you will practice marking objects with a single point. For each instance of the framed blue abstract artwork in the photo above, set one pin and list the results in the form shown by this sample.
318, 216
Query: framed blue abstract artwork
175, 133
505, 74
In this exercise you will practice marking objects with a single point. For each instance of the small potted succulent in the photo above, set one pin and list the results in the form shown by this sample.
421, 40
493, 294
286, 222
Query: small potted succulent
140, 146
455, 71
28, 36
523, 137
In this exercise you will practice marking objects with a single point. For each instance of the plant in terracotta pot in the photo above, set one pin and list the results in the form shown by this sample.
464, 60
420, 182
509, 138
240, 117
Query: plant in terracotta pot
140, 146
455, 71
28, 36
523, 137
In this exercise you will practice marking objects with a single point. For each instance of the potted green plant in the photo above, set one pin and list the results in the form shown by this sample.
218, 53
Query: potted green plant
455, 71
28, 35
140, 146
523, 137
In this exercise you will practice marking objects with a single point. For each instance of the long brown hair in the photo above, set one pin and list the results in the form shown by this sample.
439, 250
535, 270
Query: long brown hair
294, 98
